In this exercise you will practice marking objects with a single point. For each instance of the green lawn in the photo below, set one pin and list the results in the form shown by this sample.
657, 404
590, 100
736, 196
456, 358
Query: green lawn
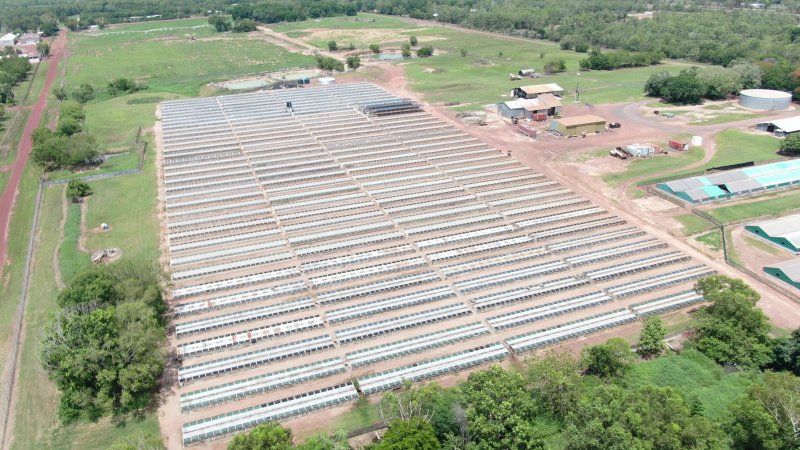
36, 397
13, 136
167, 60
70, 259
724, 118
694, 375
128, 205
693, 224
364, 20
736, 146
11, 287
114, 122
34, 82
102, 434
768, 206
713, 239
655, 165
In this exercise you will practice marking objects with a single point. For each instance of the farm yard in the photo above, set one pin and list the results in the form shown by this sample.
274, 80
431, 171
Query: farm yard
379, 244
177, 57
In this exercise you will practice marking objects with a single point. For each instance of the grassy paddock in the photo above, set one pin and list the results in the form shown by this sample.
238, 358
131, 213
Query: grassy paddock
723, 118
70, 259
713, 239
482, 76
161, 55
769, 206
763, 246
655, 165
693, 224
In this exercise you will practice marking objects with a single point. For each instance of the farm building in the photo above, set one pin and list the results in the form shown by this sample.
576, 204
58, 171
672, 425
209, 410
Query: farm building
731, 183
545, 105
784, 231
787, 271
781, 127
7, 40
574, 126
765, 99
536, 90
641, 150
29, 39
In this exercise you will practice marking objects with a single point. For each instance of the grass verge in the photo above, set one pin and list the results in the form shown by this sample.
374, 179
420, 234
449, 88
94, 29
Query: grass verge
693, 224
70, 259
768, 206
713, 239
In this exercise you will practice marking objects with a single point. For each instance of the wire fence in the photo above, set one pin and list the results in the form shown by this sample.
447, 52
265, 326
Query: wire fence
9, 372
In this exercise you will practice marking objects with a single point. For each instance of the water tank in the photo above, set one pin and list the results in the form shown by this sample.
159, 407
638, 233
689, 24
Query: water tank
697, 141
765, 99
327, 80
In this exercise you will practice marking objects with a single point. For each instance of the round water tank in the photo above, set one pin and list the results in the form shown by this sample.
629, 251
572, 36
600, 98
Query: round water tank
327, 80
765, 99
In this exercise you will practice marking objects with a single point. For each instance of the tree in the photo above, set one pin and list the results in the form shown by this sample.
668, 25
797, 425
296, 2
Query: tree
412, 40
138, 441
463, 52
84, 93
6, 93
751, 427
425, 51
611, 417
732, 330
323, 442
43, 48
244, 26
414, 433
353, 62
749, 73
500, 412
351, 46
68, 127
406, 53
651, 341
60, 93
684, 88
791, 144
780, 397
720, 82
268, 436
77, 189
554, 380
612, 359
769, 417
220, 24
332, 46
787, 353
329, 63
582, 47
375, 48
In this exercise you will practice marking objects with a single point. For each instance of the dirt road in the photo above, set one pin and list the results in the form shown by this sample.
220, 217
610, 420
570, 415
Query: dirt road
25, 146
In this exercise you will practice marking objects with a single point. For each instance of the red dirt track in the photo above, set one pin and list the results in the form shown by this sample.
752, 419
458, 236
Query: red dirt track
25, 146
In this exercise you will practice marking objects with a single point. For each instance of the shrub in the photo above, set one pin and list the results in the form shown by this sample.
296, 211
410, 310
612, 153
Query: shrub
425, 51
77, 189
375, 48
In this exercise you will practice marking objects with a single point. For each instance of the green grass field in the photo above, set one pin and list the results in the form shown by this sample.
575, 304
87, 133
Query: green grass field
14, 134
736, 146
128, 205
693, 224
114, 122
713, 239
765, 206
654, 165
694, 375
724, 118
70, 259
167, 60
763, 246
482, 76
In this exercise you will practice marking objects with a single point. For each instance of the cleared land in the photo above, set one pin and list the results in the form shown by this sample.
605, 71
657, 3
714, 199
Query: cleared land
416, 248
481, 77
163, 56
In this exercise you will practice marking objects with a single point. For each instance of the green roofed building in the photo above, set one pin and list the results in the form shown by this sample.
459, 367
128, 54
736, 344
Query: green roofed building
787, 271
784, 232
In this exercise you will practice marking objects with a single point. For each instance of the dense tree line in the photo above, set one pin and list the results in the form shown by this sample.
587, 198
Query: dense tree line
593, 403
70, 146
13, 70
104, 347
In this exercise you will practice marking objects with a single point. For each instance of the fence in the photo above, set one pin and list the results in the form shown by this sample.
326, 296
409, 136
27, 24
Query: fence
12, 357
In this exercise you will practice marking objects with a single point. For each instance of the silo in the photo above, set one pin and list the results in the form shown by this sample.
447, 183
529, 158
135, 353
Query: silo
765, 99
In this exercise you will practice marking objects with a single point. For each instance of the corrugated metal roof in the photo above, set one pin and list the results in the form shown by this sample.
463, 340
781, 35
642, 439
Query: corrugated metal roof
549, 100
789, 125
791, 268
542, 88
580, 120
787, 227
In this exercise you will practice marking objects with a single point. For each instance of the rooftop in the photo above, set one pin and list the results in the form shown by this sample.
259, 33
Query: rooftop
766, 93
580, 120
789, 125
542, 88
787, 227
790, 267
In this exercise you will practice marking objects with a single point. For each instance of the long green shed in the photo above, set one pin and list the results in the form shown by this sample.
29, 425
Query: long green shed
787, 271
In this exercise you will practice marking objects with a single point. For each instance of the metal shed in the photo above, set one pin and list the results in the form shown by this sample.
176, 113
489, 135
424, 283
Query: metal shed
787, 271
575, 126
784, 231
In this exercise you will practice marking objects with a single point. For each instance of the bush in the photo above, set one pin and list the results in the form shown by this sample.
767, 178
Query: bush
329, 63
425, 51
270, 436
651, 341
412, 40
220, 24
582, 47
244, 26
791, 144
84, 93
555, 66
68, 126
77, 189
375, 48
332, 46
406, 53
353, 62
612, 359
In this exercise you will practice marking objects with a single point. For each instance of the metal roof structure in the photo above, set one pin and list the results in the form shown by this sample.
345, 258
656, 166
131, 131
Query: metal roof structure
730, 183
787, 271
788, 125
542, 88
784, 231
580, 120
544, 101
